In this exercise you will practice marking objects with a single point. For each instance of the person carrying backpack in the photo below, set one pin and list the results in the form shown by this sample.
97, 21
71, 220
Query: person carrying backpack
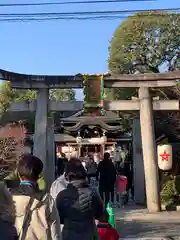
36, 214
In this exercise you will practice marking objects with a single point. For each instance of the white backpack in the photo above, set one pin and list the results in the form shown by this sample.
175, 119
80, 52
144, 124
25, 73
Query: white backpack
34, 218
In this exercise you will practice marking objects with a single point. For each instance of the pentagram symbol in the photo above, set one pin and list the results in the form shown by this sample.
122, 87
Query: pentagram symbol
164, 156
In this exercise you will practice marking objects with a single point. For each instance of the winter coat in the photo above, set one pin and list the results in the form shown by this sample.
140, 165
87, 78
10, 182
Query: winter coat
78, 207
44, 222
107, 172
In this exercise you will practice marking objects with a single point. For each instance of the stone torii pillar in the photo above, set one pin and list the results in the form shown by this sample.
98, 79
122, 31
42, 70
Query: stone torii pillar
138, 163
149, 150
43, 146
41, 125
50, 160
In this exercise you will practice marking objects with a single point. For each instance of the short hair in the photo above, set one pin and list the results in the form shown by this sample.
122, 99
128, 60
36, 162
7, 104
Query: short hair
29, 167
74, 170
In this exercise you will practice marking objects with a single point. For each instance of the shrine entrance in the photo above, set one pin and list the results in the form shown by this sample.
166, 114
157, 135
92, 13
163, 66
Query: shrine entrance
44, 133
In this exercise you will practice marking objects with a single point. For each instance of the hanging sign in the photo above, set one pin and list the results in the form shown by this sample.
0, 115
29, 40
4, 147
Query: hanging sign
164, 157
93, 93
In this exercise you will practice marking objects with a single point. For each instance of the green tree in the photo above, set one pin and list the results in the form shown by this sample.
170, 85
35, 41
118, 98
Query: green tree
148, 42
62, 94
145, 42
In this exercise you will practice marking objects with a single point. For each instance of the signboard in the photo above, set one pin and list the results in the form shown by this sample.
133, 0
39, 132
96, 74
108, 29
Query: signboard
93, 93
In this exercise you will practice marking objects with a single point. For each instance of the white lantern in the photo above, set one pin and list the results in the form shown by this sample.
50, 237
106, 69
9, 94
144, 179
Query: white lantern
78, 139
164, 157
104, 138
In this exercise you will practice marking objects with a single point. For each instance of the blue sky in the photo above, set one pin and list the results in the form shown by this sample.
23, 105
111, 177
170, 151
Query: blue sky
62, 47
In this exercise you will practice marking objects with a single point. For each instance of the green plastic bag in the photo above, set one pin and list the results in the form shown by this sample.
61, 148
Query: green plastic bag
112, 219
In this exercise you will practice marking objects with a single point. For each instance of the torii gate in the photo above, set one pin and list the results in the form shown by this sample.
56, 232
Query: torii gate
144, 104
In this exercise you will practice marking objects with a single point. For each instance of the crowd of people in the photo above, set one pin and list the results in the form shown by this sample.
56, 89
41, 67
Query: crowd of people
70, 210
111, 166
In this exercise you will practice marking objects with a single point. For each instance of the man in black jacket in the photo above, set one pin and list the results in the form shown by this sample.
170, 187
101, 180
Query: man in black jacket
106, 173
78, 205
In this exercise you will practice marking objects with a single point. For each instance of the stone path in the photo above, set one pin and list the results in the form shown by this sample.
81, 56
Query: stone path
136, 223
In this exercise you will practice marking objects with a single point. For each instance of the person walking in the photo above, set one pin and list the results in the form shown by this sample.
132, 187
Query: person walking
78, 205
7, 215
106, 174
36, 214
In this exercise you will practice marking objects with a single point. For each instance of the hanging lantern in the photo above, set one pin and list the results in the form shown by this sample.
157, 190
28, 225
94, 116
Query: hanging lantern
164, 157
104, 138
78, 139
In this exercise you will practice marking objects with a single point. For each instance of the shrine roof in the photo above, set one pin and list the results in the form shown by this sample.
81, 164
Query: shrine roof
109, 116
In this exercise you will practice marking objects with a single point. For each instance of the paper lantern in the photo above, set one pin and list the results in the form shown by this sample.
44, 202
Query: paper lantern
164, 157
78, 139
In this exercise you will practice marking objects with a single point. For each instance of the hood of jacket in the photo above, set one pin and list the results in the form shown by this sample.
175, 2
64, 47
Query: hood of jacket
58, 185
79, 184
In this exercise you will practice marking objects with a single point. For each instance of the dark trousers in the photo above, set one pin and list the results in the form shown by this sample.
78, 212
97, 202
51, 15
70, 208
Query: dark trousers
105, 194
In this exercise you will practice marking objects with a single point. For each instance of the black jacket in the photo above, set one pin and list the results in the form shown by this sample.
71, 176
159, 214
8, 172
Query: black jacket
106, 173
78, 206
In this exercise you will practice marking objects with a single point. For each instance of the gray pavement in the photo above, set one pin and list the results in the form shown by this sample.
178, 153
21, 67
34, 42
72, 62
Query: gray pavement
135, 222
